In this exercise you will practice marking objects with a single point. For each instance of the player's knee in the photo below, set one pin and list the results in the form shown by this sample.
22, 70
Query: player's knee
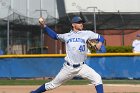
99, 80
50, 86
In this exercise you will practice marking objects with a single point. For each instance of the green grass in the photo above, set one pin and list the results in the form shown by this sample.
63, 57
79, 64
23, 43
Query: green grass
22, 82
121, 81
71, 82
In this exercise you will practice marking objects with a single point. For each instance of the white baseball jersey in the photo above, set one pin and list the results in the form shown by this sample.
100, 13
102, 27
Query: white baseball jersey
76, 47
76, 53
136, 45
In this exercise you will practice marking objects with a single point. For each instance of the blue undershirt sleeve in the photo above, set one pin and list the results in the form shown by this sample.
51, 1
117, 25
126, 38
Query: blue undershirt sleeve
51, 33
103, 48
101, 39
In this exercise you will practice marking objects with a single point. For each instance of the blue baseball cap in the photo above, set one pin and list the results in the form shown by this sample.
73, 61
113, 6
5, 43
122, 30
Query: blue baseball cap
138, 35
76, 19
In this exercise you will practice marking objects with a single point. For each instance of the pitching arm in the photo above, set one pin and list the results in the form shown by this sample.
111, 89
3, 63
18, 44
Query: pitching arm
51, 33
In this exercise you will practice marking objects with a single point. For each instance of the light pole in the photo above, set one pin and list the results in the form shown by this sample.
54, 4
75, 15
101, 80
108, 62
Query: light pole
94, 13
123, 22
41, 33
94, 19
8, 29
9, 7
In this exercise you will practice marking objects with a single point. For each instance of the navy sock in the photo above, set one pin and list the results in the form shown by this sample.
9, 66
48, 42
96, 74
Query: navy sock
99, 88
40, 89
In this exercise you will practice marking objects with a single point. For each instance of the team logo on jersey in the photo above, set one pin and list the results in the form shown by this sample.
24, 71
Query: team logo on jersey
76, 40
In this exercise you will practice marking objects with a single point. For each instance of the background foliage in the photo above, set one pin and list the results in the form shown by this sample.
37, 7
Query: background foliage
117, 49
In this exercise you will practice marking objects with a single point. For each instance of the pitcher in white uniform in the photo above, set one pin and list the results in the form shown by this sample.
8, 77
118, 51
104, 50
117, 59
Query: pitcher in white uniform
76, 54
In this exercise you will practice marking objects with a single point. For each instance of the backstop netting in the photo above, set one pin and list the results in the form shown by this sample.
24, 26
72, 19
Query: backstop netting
23, 35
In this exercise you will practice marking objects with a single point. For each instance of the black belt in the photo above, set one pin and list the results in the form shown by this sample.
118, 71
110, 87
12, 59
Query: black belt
74, 65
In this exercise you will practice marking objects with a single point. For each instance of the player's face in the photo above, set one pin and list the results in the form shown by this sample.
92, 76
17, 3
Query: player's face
77, 26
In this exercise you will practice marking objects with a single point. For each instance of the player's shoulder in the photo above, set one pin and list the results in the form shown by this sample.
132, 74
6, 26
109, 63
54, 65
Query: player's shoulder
67, 34
136, 40
87, 31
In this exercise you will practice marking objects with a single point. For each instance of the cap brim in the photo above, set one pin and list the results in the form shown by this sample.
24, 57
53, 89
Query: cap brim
79, 21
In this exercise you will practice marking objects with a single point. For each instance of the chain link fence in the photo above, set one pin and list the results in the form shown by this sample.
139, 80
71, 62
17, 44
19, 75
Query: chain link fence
24, 35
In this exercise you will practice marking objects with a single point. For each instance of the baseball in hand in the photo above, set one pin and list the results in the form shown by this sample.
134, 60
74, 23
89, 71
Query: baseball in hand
41, 19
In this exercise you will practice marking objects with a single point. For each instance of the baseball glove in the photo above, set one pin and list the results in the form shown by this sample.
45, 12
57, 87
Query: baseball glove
91, 44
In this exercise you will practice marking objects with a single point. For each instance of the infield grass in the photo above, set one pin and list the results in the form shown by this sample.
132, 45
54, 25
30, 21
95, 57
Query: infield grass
71, 82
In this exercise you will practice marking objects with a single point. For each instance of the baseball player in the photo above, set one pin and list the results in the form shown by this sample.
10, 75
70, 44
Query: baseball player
136, 44
76, 54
